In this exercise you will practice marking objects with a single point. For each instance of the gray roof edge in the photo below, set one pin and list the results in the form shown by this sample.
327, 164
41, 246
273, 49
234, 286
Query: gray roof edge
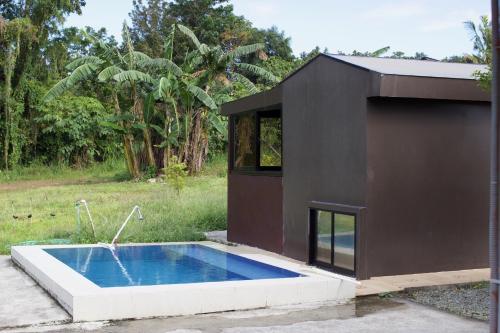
343, 59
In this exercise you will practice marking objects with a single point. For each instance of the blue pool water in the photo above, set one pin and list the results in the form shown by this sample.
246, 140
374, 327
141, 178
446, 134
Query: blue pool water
345, 241
163, 264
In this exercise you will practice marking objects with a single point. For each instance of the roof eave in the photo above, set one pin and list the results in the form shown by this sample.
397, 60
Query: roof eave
388, 85
266, 100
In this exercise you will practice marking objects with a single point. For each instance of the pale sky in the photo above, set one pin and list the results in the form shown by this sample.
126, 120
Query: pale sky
431, 26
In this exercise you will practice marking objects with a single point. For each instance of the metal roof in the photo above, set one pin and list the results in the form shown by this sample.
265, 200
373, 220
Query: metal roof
407, 67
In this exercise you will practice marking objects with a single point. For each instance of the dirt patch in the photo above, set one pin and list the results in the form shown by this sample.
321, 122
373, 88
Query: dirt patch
32, 184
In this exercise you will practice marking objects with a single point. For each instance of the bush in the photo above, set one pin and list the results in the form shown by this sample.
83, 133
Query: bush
176, 173
71, 131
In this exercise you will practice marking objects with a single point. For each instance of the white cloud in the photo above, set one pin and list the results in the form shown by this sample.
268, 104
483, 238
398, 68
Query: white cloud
452, 20
394, 10
264, 8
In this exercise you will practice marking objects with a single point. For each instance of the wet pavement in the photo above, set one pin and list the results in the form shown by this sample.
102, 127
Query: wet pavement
22, 301
370, 314
25, 307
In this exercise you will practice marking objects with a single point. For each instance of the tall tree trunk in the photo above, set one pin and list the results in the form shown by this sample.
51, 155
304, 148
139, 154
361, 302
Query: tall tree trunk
148, 143
139, 112
130, 158
198, 144
9, 64
166, 149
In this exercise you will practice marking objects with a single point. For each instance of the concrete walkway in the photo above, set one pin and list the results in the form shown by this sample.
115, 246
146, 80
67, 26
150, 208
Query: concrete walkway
389, 284
25, 307
22, 301
392, 284
369, 315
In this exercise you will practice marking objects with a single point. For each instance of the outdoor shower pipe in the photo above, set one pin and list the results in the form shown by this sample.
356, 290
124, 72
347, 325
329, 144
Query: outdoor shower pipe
139, 214
84, 203
495, 125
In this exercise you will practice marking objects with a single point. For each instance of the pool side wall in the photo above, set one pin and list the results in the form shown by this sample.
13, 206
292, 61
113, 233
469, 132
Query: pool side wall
85, 301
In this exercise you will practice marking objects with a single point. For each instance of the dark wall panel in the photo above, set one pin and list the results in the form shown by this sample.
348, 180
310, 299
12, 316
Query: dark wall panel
324, 144
255, 213
428, 171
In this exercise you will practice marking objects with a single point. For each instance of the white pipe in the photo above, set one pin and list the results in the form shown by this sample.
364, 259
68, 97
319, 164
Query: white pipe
136, 209
84, 202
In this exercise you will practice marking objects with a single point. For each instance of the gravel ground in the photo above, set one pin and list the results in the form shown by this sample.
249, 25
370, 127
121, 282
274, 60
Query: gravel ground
468, 300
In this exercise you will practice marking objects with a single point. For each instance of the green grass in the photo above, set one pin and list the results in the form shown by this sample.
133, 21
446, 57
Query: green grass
112, 170
201, 206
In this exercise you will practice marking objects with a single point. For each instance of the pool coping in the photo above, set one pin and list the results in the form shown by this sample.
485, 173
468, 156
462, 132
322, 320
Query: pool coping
85, 301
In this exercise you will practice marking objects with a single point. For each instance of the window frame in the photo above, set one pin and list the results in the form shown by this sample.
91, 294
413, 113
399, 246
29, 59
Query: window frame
263, 115
356, 212
256, 169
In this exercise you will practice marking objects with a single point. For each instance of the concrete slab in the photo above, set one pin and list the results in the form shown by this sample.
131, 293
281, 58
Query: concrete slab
386, 284
23, 302
86, 301
217, 236
367, 315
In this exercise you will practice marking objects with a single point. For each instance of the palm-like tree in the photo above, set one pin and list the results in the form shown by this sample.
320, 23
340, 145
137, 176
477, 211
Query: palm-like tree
481, 36
176, 90
213, 67
122, 70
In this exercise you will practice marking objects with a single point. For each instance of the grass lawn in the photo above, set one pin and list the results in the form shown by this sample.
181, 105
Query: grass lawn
50, 196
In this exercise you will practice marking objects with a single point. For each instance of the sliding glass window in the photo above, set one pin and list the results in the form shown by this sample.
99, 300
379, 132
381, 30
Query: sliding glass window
257, 141
333, 241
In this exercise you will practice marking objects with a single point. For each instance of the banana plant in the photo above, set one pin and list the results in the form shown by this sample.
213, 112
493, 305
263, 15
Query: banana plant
217, 65
171, 86
212, 67
124, 75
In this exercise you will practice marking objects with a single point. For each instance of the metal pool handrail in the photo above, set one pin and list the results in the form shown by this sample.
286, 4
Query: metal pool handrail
85, 204
140, 216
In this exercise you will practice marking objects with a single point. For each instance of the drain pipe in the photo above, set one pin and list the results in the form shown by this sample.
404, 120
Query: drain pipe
493, 223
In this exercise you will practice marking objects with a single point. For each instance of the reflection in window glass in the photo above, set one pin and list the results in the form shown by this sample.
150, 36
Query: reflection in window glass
344, 241
270, 142
244, 141
324, 237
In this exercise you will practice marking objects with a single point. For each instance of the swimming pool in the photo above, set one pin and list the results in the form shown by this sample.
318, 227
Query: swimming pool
163, 264
92, 282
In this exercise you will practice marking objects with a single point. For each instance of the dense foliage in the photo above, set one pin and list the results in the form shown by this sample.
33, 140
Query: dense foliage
74, 97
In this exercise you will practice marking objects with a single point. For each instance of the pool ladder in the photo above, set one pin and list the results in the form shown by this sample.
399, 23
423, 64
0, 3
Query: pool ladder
84, 203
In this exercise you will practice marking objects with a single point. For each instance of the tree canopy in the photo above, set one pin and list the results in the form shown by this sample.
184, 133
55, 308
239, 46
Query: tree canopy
77, 96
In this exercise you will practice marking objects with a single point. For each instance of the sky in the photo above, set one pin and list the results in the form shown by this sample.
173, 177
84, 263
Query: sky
434, 27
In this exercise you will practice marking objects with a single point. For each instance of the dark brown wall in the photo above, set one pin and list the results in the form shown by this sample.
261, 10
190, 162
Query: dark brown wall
324, 143
428, 171
255, 213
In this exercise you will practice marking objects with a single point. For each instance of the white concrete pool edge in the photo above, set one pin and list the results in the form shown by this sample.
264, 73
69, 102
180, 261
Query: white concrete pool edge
85, 301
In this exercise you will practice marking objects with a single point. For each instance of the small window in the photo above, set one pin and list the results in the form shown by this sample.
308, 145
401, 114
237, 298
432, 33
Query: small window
270, 142
333, 240
257, 141
245, 142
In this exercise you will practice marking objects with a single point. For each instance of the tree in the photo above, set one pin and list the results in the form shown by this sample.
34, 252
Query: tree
481, 37
111, 65
376, 53
26, 27
276, 43
213, 21
214, 68
174, 88
12, 33
150, 22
